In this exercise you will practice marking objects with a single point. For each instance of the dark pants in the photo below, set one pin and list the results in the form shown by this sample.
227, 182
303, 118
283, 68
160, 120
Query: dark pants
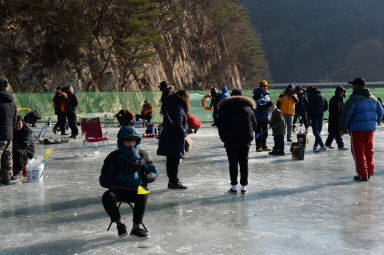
61, 120
20, 158
214, 115
173, 169
279, 143
304, 118
110, 198
147, 117
238, 155
72, 122
262, 128
317, 125
6, 159
335, 135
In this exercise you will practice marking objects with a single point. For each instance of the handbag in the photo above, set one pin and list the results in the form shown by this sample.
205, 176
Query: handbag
187, 139
188, 143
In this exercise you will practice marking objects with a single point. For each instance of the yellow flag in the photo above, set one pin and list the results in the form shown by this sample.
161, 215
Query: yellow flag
142, 191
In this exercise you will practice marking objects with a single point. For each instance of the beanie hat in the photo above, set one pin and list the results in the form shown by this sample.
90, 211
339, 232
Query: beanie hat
237, 92
163, 85
3, 84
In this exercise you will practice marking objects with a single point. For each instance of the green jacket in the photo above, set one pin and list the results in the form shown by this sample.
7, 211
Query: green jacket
277, 123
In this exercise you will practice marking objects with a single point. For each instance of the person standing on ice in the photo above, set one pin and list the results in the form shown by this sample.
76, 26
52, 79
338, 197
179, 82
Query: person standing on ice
224, 93
71, 110
278, 130
7, 121
173, 133
123, 171
317, 105
336, 104
215, 99
359, 118
301, 110
286, 104
166, 91
262, 114
236, 123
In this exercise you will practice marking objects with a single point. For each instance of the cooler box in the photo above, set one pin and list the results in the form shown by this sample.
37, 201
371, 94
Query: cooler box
139, 124
297, 150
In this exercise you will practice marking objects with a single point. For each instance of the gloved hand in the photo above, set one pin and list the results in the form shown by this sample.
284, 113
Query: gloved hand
138, 163
149, 177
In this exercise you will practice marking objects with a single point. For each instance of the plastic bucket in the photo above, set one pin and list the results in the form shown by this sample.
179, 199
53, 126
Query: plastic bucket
35, 174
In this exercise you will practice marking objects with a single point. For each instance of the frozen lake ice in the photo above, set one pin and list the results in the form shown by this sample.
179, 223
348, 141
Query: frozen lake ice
292, 207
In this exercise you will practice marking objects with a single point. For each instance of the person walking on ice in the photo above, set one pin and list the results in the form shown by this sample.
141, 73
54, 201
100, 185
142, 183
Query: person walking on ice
123, 172
336, 104
359, 118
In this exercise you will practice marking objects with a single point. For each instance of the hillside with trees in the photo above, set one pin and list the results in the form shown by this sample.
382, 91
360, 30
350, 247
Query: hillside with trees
119, 45
316, 41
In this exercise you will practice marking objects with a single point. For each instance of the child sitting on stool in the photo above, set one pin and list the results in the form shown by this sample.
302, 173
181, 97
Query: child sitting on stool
23, 147
124, 170
278, 130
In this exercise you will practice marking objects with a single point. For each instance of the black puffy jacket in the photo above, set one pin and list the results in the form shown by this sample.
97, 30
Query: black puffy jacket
175, 127
7, 116
317, 104
23, 143
236, 121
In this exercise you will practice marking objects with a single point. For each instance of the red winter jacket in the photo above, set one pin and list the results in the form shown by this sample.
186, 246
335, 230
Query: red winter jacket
193, 122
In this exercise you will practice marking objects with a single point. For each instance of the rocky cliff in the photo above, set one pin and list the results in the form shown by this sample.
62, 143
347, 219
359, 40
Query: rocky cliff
196, 49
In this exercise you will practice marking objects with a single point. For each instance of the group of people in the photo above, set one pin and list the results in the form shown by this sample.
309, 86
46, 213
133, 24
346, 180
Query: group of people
16, 144
65, 103
239, 120
297, 104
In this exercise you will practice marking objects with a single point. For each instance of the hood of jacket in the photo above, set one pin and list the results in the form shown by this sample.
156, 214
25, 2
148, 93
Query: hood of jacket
238, 100
224, 89
173, 100
339, 89
362, 91
5, 97
313, 90
214, 91
127, 131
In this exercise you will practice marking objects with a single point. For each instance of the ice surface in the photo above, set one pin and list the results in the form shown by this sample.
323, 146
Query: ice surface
292, 207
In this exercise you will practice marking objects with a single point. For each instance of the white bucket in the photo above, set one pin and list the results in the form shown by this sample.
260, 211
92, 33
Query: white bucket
36, 174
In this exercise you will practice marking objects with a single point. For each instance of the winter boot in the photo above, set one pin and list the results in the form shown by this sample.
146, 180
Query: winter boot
121, 229
172, 185
18, 176
139, 232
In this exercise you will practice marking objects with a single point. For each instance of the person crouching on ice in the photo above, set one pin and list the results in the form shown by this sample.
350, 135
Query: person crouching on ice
123, 171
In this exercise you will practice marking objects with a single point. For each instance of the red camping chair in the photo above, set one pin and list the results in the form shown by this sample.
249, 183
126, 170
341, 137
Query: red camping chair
92, 133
